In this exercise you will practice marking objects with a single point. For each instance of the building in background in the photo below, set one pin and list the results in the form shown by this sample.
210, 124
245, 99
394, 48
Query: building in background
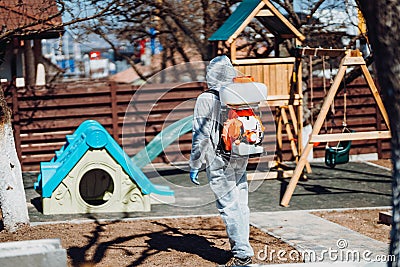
91, 59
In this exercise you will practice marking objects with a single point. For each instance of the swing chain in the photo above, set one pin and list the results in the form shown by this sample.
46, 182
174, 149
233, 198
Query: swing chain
330, 85
324, 86
311, 87
331, 71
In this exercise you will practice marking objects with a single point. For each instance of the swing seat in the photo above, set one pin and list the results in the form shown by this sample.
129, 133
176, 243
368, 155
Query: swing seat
338, 154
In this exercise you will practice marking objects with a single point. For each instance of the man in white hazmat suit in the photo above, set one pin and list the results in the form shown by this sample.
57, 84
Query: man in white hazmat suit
226, 175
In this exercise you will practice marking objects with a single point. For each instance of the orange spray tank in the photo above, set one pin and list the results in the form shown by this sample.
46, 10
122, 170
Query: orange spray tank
243, 130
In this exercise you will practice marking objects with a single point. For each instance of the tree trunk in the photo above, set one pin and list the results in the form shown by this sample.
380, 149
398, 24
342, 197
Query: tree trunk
30, 67
383, 31
12, 194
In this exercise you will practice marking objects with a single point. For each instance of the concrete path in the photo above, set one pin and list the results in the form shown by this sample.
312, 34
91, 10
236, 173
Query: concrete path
317, 239
33, 253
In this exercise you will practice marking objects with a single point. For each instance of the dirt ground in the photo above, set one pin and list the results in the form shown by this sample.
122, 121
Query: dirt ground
194, 241
387, 163
365, 222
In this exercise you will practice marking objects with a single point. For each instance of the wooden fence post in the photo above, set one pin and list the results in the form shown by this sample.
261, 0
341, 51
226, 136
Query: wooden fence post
114, 111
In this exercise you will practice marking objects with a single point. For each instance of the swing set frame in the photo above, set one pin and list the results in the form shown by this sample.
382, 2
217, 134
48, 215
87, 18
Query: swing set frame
351, 58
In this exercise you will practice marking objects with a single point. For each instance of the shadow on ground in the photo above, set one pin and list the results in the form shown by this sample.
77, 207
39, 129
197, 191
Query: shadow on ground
170, 238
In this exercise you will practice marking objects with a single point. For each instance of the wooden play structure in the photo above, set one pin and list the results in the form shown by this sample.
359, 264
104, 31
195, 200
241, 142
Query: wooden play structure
282, 75
283, 78
350, 58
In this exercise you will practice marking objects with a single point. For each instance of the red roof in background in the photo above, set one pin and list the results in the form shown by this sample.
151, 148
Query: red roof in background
18, 13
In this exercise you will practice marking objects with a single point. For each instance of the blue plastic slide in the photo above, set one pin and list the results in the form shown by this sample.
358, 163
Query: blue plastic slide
162, 140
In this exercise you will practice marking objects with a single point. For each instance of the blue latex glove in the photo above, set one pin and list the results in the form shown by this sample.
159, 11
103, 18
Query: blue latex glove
194, 176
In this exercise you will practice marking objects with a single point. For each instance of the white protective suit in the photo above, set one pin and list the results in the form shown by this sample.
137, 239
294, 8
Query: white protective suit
227, 176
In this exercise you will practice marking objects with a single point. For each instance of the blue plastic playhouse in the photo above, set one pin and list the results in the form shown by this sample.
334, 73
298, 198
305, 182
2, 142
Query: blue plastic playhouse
91, 173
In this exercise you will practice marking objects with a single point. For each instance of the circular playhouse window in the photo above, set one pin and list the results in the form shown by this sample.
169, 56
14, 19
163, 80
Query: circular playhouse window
96, 187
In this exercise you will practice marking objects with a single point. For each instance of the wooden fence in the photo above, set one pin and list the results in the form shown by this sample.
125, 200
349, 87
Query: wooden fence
43, 117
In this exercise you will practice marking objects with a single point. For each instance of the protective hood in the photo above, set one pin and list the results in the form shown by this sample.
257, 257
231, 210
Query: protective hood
220, 72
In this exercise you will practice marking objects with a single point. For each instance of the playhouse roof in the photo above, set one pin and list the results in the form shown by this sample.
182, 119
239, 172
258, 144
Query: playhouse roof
90, 135
265, 12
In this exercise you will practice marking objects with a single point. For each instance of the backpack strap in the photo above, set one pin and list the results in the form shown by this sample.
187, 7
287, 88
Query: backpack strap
213, 91
219, 128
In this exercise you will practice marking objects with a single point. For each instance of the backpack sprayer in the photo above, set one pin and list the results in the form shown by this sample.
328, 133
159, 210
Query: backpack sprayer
243, 131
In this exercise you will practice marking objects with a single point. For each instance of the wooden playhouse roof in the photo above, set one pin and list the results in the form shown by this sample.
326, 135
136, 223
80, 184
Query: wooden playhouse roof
17, 14
265, 12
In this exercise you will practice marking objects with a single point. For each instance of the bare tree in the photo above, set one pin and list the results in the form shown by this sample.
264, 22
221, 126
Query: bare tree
12, 195
183, 27
76, 11
31, 19
383, 30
